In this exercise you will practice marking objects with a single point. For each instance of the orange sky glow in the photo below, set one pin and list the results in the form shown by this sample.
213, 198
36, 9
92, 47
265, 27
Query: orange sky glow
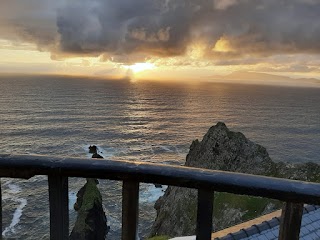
210, 39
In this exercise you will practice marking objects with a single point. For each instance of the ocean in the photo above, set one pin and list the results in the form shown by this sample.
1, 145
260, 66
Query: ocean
140, 121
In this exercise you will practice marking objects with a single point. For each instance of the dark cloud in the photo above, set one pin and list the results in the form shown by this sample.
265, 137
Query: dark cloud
31, 21
274, 27
229, 29
122, 27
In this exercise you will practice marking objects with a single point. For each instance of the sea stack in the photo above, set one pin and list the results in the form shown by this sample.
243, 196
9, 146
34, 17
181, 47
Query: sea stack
94, 150
91, 221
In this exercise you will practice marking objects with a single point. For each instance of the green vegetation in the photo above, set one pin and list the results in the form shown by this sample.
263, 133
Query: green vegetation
91, 195
83, 205
159, 238
250, 206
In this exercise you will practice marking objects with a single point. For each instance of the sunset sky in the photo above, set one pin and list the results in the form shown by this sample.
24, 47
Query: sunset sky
160, 39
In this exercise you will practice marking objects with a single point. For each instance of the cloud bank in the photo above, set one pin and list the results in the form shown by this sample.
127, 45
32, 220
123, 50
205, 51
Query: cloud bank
126, 30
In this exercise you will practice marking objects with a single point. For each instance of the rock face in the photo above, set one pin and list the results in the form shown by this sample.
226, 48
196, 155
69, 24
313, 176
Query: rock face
94, 150
96, 155
222, 149
91, 221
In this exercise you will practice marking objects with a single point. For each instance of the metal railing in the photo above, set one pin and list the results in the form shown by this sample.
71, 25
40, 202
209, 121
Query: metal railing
58, 169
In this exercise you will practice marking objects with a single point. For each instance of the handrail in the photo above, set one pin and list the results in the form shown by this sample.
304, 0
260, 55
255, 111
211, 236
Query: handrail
60, 168
26, 166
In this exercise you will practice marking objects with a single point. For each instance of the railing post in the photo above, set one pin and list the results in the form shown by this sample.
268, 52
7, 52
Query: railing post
290, 223
130, 209
0, 211
59, 207
204, 214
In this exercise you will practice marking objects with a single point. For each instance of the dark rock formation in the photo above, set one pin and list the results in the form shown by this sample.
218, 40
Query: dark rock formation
222, 149
96, 155
93, 149
91, 221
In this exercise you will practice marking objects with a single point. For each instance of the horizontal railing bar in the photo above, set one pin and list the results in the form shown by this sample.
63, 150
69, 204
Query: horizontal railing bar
26, 166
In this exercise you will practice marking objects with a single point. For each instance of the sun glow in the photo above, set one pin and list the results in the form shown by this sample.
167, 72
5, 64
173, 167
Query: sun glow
140, 67
223, 45
196, 50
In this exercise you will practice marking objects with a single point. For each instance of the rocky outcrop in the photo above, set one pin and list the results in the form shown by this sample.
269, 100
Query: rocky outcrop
222, 149
95, 151
96, 155
91, 221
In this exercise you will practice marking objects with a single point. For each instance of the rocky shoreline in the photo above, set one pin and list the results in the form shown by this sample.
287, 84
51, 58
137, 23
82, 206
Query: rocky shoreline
222, 149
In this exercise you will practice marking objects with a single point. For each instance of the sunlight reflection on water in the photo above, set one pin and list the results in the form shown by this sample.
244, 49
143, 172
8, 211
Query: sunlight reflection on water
142, 121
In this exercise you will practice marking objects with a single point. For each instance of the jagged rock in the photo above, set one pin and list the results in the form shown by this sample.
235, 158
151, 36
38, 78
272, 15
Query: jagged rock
91, 221
93, 149
222, 149
96, 155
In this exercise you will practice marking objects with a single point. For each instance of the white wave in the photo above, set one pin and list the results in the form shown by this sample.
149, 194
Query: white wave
180, 152
37, 178
113, 222
5, 196
72, 199
12, 190
166, 148
5, 181
110, 152
86, 150
16, 216
104, 153
151, 194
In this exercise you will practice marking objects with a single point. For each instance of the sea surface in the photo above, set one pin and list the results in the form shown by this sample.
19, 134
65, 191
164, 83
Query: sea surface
138, 121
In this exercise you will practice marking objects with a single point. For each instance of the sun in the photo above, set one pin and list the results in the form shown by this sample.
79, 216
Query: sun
140, 67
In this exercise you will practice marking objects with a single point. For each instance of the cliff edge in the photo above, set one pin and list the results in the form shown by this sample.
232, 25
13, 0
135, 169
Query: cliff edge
222, 149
